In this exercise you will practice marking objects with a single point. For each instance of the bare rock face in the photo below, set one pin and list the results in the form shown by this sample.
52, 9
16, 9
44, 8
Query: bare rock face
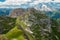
16, 12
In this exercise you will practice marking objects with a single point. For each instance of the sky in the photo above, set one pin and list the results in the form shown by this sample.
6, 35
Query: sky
22, 3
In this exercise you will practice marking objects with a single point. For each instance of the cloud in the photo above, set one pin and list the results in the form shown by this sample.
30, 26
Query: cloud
14, 2
27, 3
57, 0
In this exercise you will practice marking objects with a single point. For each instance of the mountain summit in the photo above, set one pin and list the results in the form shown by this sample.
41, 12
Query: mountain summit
45, 8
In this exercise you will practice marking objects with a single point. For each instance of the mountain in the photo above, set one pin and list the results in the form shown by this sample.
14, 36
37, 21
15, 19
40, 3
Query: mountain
44, 7
56, 15
5, 11
49, 11
17, 12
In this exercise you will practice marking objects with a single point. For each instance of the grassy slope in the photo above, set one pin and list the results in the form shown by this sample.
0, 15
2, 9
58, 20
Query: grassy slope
17, 34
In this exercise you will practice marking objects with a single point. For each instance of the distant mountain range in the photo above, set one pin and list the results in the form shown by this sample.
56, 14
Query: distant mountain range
45, 8
48, 12
5, 11
51, 9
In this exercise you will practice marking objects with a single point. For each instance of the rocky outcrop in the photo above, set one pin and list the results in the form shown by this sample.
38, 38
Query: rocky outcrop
17, 12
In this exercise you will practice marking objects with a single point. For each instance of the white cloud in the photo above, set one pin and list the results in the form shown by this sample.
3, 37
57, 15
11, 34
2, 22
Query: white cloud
57, 0
44, 0
14, 2
19, 2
